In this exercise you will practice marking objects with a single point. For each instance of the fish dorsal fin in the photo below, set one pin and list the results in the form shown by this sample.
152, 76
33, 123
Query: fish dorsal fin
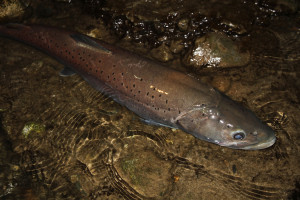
16, 26
66, 72
87, 41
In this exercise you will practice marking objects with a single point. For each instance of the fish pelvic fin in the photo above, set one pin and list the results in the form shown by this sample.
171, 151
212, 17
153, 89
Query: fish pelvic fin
89, 42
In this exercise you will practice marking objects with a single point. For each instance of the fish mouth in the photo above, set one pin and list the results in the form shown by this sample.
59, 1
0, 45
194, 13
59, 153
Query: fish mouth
261, 145
257, 146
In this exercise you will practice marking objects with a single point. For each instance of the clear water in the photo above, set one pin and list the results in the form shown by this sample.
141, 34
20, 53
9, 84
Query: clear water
61, 139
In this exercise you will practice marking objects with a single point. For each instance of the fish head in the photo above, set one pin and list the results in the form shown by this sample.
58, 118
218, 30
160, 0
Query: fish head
227, 124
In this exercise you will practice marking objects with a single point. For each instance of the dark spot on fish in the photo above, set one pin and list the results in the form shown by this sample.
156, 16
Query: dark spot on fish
141, 79
169, 109
234, 169
114, 79
113, 73
96, 70
99, 61
89, 55
114, 65
133, 85
131, 90
73, 57
107, 77
157, 108
122, 73
153, 88
159, 95
152, 97
139, 91
147, 93
80, 57
134, 95
166, 101
66, 51
122, 84
179, 112
101, 72
126, 86
152, 105
203, 114
83, 59
79, 54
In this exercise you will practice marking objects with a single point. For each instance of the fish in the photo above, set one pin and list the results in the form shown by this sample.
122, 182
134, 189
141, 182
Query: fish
157, 93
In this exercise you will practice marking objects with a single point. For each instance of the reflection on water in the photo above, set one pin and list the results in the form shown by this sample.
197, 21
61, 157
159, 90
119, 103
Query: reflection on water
62, 139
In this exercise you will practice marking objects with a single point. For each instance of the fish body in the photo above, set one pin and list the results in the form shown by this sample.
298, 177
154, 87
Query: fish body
158, 94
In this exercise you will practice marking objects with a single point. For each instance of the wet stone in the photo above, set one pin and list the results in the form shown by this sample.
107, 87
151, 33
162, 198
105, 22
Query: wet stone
32, 128
176, 46
221, 83
162, 53
287, 6
183, 24
11, 10
142, 169
216, 50
233, 28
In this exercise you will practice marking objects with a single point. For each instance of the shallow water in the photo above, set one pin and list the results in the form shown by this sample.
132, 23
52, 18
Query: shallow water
61, 139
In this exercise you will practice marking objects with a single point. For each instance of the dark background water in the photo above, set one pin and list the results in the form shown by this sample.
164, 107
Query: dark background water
61, 139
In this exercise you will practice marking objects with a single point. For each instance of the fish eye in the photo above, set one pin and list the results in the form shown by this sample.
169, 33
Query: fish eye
238, 135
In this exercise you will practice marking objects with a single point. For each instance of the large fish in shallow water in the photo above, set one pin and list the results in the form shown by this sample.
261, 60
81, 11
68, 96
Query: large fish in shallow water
158, 94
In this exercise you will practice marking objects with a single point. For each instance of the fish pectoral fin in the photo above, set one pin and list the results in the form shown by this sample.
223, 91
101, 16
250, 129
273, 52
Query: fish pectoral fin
67, 72
151, 122
83, 39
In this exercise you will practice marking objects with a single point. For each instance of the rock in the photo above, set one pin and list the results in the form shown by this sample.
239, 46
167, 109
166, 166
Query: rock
183, 24
31, 128
176, 46
287, 6
162, 53
11, 10
216, 50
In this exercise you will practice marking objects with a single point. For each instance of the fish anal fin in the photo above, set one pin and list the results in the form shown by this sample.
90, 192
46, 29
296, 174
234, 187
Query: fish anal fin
67, 72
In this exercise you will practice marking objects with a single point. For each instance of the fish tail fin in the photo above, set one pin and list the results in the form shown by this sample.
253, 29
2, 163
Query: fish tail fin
11, 29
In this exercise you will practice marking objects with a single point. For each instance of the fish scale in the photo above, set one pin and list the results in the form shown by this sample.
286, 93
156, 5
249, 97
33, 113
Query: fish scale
158, 94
